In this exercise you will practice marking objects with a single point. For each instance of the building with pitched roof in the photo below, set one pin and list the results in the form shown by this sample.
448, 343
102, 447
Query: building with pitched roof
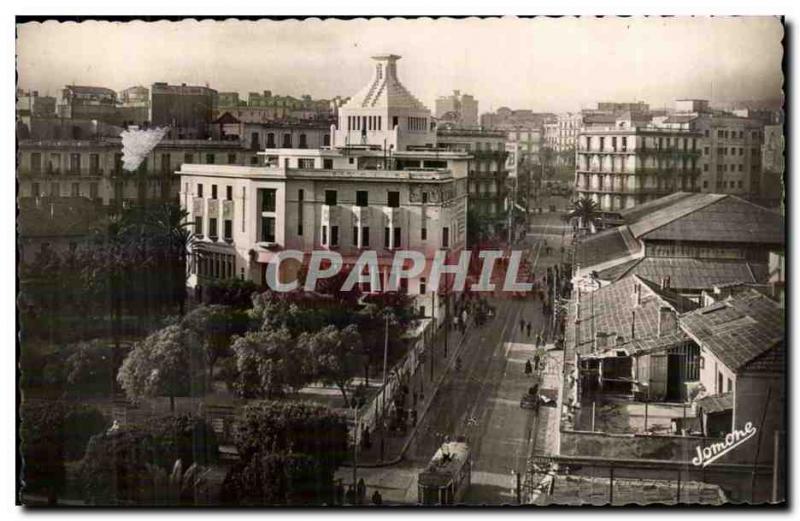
695, 240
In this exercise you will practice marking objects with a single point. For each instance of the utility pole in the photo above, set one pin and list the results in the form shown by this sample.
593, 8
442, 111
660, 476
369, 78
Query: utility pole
383, 401
355, 444
776, 451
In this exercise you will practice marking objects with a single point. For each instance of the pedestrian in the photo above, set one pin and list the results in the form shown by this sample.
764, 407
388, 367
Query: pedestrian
528, 368
350, 496
521, 325
529, 329
413, 417
339, 493
538, 340
361, 491
366, 439
376, 498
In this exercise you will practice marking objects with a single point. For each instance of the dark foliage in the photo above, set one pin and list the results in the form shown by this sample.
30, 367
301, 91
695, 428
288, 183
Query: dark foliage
115, 467
229, 292
309, 439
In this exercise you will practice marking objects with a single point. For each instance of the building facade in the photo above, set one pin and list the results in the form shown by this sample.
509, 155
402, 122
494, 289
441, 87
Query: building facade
383, 186
623, 166
489, 177
457, 108
186, 109
92, 168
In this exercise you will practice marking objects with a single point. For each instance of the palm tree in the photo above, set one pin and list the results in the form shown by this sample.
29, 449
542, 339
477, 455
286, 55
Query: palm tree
587, 212
176, 240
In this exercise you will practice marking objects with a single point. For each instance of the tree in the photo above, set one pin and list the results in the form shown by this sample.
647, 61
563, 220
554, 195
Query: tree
587, 212
175, 239
163, 364
216, 325
230, 292
90, 369
119, 463
288, 452
269, 363
42, 447
179, 487
334, 354
275, 479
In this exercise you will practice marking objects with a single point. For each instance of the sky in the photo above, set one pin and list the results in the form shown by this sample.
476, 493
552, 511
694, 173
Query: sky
543, 64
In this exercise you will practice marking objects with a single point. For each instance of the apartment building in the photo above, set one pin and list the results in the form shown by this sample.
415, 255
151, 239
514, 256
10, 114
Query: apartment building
562, 134
624, 165
92, 168
457, 108
186, 109
489, 175
731, 147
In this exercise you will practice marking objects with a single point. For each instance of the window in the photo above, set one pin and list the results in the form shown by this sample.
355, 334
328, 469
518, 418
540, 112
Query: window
300, 197
396, 238
305, 163
730, 385
394, 121
303, 143
254, 160
362, 198
199, 190
422, 286
365, 236
326, 140
209, 159
76, 190
231, 159
719, 383
330, 197
287, 141
705, 167
93, 189
165, 163
212, 228
198, 225
229, 193
228, 230
36, 162
267, 229
267, 199
702, 362
75, 163
327, 164
213, 191
393, 199
324, 234
270, 140
386, 237
424, 197
334, 236
424, 234
445, 237
705, 183
188, 158
355, 236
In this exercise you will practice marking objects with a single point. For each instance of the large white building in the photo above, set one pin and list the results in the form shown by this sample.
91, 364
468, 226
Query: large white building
383, 186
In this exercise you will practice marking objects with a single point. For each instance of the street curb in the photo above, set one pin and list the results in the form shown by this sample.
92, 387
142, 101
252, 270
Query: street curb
413, 433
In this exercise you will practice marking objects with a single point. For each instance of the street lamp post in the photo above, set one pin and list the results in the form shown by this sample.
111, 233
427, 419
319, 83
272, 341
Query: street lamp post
386, 315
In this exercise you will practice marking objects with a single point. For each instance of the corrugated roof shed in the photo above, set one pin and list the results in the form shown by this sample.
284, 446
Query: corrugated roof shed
729, 219
739, 329
669, 214
605, 246
688, 273
635, 213
612, 309
716, 403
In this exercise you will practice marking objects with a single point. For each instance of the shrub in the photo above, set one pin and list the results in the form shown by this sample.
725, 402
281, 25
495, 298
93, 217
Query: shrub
275, 479
42, 447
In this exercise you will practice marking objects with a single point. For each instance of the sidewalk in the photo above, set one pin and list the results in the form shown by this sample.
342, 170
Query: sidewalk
422, 386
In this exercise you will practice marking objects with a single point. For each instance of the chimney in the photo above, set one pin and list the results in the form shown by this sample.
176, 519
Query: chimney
667, 321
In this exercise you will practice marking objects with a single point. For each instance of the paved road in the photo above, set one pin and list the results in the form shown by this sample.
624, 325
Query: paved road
481, 402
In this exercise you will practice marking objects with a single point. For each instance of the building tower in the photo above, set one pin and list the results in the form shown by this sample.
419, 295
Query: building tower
384, 113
